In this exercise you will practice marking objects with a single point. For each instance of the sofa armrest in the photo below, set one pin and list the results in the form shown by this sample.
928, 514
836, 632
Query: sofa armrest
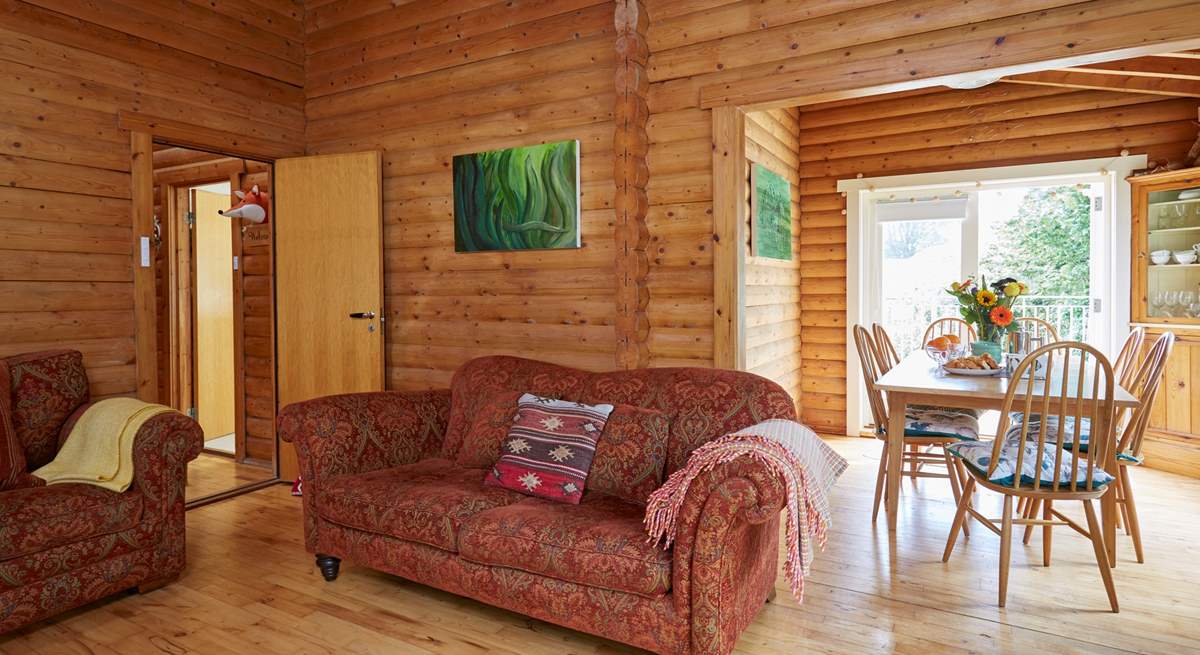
726, 550
161, 451
360, 432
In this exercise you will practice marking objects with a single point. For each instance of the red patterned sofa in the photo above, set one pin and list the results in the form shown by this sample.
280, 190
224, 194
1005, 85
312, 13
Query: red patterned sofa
381, 490
66, 545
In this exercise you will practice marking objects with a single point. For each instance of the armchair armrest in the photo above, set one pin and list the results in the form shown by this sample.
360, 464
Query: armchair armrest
360, 432
161, 451
726, 550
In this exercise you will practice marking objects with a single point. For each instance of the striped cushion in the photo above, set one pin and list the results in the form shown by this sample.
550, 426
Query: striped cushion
549, 448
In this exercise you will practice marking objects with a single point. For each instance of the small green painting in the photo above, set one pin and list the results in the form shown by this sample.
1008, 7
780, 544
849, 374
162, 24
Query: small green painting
771, 211
523, 198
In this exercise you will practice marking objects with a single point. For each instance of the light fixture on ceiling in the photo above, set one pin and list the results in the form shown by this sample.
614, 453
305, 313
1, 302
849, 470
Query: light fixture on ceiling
964, 83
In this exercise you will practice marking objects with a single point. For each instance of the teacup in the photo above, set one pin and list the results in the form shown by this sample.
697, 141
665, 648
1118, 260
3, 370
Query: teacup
1185, 256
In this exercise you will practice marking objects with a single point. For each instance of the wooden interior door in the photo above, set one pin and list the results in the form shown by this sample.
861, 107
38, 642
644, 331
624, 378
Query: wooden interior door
328, 267
215, 370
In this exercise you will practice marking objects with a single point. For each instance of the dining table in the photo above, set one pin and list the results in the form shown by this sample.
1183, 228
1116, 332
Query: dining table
918, 380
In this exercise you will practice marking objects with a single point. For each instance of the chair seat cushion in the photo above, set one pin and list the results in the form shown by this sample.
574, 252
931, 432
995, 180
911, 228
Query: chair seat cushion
1085, 432
957, 410
977, 455
940, 422
598, 543
34, 519
426, 501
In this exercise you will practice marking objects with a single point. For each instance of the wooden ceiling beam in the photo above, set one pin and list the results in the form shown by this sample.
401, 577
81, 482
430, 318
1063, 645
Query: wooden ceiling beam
1174, 68
1078, 79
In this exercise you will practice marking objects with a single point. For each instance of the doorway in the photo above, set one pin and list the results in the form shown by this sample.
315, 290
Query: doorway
215, 315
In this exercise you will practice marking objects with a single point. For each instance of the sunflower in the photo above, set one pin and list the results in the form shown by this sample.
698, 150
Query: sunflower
985, 297
1001, 316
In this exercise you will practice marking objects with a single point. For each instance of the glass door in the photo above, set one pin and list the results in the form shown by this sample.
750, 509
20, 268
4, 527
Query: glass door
1172, 254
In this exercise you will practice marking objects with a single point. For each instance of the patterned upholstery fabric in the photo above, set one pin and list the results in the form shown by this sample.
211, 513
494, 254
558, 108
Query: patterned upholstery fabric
12, 455
39, 518
631, 455
62, 546
549, 448
46, 388
599, 543
725, 557
425, 501
489, 425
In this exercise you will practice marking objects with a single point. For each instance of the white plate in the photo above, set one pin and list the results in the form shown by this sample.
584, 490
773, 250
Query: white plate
973, 372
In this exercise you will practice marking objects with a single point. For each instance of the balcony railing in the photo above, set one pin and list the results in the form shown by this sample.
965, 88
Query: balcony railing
906, 318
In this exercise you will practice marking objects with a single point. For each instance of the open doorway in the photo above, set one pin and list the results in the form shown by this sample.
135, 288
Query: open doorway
215, 314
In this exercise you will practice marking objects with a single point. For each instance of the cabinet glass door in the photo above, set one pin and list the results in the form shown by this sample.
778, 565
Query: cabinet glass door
1173, 261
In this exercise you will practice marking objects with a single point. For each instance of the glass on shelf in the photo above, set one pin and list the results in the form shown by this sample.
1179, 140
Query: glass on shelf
1171, 234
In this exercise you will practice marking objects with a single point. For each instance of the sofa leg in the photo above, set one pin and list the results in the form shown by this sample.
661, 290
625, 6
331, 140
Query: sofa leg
150, 585
329, 567
771, 595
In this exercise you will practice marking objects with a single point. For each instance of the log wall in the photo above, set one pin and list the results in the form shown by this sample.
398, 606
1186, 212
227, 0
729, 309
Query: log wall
67, 69
939, 130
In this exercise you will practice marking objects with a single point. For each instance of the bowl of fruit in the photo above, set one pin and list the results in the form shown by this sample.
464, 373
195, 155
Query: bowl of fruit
944, 348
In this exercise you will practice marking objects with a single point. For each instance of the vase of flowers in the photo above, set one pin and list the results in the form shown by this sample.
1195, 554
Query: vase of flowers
989, 309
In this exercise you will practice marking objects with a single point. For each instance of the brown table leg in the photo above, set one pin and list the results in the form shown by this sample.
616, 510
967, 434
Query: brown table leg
895, 442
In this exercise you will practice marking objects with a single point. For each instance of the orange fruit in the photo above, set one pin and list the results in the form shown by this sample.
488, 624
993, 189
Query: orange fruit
940, 343
953, 338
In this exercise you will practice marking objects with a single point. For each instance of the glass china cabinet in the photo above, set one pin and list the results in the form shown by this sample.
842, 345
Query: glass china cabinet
1166, 296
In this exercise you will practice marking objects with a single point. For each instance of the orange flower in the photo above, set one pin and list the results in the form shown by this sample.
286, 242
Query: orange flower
1001, 316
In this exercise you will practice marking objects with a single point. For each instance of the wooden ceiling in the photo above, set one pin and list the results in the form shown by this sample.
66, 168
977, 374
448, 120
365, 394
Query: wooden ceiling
1175, 74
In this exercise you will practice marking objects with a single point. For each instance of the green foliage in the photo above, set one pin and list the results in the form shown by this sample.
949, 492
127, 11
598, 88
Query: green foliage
517, 198
772, 215
906, 238
1046, 244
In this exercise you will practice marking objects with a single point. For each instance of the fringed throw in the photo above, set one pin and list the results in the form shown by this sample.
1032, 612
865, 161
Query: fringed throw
807, 465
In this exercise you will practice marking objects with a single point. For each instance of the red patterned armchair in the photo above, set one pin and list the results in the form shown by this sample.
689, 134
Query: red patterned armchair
66, 545
381, 489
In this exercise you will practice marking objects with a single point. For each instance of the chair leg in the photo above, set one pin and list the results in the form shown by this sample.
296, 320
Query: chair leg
1005, 546
955, 485
1101, 553
1031, 510
1135, 528
1047, 531
959, 517
913, 449
879, 480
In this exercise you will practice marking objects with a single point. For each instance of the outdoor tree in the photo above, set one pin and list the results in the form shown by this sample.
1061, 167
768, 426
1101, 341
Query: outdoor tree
1046, 243
903, 239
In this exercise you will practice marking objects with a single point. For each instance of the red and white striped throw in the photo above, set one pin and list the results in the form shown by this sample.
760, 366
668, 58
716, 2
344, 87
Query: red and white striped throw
808, 466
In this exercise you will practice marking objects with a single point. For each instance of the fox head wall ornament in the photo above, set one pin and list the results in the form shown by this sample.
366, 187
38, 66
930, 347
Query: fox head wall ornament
254, 207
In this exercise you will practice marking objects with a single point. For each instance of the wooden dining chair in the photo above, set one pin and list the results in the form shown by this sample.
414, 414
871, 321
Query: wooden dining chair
1031, 460
928, 427
950, 325
1125, 364
888, 357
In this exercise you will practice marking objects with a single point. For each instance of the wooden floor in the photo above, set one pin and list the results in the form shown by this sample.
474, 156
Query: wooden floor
209, 474
250, 588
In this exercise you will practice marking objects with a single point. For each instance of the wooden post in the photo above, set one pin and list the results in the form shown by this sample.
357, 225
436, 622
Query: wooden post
729, 221
630, 173
141, 168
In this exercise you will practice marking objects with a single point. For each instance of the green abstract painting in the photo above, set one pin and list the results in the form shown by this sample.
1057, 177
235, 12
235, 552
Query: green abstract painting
771, 211
517, 199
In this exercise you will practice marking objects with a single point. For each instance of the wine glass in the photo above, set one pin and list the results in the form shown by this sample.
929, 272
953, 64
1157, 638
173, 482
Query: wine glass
1162, 211
1158, 303
1180, 215
1194, 310
1173, 300
1186, 300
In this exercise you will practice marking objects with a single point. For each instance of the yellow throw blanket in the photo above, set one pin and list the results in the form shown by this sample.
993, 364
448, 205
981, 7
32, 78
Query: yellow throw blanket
99, 449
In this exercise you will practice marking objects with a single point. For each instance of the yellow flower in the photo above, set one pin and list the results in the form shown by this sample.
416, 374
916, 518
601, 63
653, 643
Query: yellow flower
985, 297
1012, 289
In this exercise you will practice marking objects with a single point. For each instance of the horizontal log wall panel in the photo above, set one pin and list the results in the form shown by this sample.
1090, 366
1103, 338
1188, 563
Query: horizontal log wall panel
937, 130
772, 295
67, 70
423, 82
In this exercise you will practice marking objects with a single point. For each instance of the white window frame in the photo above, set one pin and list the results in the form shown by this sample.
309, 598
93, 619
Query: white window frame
862, 234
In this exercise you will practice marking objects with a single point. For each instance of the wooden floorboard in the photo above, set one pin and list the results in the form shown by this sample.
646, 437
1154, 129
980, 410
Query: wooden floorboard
250, 588
209, 474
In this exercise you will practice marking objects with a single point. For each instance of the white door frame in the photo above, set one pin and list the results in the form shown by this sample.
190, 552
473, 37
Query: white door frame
859, 193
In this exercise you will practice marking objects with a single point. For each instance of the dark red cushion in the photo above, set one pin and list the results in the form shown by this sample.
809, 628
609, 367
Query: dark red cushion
598, 543
491, 417
631, 454
46, 388
425, 501
40, 518
549, 448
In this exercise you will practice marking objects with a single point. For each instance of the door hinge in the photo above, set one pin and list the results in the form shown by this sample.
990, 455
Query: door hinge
191, 219
191, 413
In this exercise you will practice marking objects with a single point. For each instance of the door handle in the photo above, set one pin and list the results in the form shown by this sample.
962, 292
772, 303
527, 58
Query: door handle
366, 315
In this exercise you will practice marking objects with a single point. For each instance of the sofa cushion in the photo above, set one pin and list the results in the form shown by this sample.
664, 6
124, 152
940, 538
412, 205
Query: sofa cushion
425, 501
46, 388
492, 415
549, 448
599, 543
12, 456
39, 518
631, 454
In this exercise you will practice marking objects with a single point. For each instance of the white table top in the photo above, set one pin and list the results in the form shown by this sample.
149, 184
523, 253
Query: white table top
918, 374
